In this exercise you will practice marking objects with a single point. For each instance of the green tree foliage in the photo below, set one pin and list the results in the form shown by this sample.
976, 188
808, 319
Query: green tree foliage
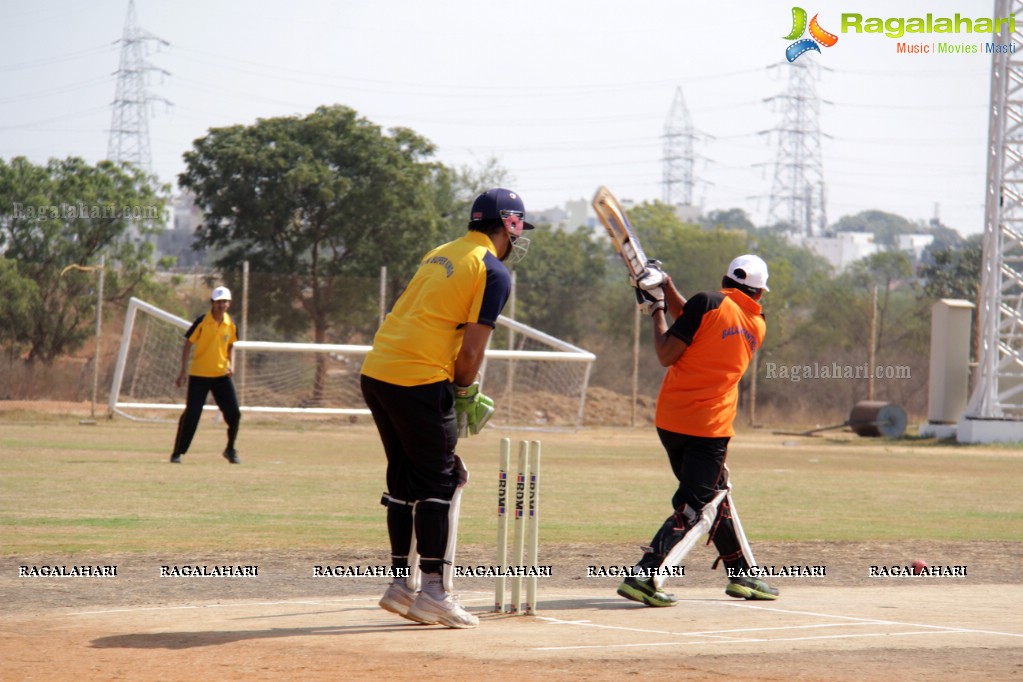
56, 220
886, 227
954, 272
323, 200
696, 259
570, 263
728, 219
454, 190
835, 329
18, 295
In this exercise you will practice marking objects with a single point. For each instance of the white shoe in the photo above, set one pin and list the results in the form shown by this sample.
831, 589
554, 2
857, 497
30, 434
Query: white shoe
447, 612
398, 598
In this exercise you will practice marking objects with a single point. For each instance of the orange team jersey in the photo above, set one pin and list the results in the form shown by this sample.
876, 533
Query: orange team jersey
699, 393
211, 345
457, 283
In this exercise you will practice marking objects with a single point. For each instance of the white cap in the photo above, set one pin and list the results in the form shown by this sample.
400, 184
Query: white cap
221, 294
749, 270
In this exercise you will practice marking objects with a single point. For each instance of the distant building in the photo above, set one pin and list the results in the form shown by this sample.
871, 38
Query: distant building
914, 244
579, 214
688, 214
568, 218
177, 241
842, 249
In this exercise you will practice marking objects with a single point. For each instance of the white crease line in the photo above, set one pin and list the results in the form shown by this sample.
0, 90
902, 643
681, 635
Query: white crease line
875, 621
700, 633
741, 641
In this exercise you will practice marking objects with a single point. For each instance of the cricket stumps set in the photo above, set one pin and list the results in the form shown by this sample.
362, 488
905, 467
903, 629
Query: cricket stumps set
525, 527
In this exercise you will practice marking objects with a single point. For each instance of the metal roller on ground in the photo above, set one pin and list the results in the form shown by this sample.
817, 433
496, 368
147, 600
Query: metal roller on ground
868, 419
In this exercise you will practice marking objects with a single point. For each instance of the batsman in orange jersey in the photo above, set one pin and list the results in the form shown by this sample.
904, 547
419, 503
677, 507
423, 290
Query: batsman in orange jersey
706, 349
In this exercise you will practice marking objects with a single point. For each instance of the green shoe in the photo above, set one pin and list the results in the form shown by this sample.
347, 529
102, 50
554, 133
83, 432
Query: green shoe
644, 592
750, 588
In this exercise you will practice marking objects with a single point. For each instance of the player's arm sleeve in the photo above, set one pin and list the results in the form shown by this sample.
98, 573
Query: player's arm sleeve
191, 334
494, 293
685, 327
470, 356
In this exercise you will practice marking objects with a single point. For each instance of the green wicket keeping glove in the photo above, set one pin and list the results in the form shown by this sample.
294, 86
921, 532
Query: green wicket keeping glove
472, 409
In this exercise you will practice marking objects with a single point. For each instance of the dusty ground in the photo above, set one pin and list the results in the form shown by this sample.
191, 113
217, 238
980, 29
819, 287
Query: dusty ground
285, 623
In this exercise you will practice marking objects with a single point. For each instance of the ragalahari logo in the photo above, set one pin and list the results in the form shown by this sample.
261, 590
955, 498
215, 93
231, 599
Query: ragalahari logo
817, 35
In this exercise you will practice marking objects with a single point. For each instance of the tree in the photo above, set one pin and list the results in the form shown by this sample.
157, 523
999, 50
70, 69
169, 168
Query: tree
66, 214
954, 272
573, 265
454, 190
313, 199
695, 258
731, 219
322, 202
17, 296
886, 227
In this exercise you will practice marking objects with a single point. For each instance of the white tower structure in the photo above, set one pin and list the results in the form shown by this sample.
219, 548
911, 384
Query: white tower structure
995, 408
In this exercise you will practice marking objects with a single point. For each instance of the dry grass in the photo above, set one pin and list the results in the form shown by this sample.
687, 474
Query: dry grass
71, 488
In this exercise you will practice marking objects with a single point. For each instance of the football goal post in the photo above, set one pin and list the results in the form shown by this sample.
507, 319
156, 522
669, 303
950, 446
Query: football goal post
542, 381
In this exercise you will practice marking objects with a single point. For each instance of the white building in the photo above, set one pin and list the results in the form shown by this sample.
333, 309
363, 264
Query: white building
914, 244
177, 241
842, 249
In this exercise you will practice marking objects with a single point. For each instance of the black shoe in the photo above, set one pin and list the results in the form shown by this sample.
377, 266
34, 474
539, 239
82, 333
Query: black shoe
750, 588
231, 455
643, 591
175, 458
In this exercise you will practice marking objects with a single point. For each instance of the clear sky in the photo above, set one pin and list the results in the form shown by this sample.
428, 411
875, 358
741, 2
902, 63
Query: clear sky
565, 94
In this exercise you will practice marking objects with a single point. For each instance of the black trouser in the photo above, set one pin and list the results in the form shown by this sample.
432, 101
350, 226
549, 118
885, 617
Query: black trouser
226, 399
419, 431
699, 465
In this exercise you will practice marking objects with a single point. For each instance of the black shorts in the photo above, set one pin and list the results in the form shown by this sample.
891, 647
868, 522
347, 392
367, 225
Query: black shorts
698, 464
419, 431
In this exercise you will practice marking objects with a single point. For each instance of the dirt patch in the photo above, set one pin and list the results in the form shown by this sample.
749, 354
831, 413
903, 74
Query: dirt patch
290, 573
285, 624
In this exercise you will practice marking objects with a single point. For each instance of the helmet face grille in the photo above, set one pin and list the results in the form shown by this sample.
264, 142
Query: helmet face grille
519, 248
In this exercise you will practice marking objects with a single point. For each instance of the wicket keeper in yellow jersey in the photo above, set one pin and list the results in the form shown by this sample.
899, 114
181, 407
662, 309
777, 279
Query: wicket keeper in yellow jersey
420, 383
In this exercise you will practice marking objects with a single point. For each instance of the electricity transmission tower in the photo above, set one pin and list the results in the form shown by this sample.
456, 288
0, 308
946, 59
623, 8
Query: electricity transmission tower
998, 389
797, 190
129, 123
679, 158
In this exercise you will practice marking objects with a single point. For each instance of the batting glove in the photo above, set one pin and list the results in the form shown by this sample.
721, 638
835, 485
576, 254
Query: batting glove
654, 277
650, 301
472, 409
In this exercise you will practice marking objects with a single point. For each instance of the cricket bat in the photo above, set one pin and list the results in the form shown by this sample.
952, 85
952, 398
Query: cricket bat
623, 237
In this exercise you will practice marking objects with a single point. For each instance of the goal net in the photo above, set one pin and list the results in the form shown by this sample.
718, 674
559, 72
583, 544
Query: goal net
537, 381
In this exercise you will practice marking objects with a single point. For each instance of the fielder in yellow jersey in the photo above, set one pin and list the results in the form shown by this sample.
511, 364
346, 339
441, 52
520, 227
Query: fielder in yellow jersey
210, 341
419, 382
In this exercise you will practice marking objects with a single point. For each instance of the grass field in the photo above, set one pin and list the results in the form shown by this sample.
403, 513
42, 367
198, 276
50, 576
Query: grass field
69, 488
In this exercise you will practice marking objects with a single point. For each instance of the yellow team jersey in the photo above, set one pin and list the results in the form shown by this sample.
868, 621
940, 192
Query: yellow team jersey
211, 345
457, 283
700, 391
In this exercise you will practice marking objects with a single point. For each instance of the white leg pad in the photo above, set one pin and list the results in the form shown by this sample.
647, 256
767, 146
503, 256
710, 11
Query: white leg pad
747, 552
677, 553
414, 579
